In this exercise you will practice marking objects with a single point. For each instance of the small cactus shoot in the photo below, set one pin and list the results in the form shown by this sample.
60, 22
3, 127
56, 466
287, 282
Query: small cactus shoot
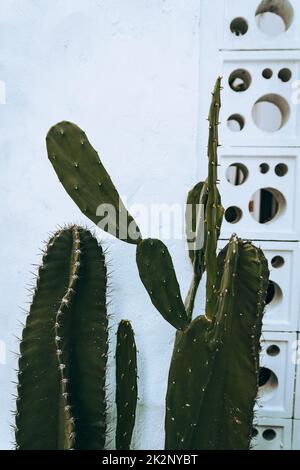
126, 384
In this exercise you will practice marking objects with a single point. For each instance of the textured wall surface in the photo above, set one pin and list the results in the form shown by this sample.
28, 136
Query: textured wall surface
127, 73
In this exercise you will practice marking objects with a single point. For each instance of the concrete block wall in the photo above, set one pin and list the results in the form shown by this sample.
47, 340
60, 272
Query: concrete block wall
257, 51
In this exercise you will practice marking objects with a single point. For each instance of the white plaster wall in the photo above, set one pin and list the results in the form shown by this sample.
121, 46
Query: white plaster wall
127, 73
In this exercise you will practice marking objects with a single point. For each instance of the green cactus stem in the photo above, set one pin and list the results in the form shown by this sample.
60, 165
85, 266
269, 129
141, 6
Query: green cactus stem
85, 179
159, 278
126, 385
61, 400
214, 210
213, 379
195, 234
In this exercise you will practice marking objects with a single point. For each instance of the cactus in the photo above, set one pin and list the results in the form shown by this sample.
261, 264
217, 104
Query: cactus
213, 210
214, 370
85, 179
126, 385
213, 379
63, 352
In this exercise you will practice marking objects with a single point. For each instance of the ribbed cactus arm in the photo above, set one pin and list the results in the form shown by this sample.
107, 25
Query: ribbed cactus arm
41, 417
192, 365
126, 384
228, 406
214, 210
87, 182
61, 391
89, 346
219, 410
197, 235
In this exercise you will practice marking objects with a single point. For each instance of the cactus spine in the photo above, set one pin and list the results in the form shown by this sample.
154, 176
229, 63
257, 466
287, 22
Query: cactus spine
63, 353
126, 384
210, 347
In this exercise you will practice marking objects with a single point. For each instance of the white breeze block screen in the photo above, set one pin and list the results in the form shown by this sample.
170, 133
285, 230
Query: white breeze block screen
260, 104
260, 192
272, 434
277, 375
255, 24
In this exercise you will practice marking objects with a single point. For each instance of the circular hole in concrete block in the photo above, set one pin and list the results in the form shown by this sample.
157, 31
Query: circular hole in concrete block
236, 122
273, 350
239, 26
277, 261
281, 169
233, 214
269, 434
254, 433
274, 17
236, 174
270, 112
264, 168
274, 294
285, 75
267, 73
267, 383
266, 205
239, 80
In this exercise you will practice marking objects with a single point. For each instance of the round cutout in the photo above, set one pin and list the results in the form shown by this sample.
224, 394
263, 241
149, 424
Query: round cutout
270, 112
267, 383
269, 434
274, 17
264, 168
273, 350
267, 73
236, 174
233, 214
239, 26
274, 294
266, 204
236, 123
277, 261
281, 169
285, 75
239, 80
254, 433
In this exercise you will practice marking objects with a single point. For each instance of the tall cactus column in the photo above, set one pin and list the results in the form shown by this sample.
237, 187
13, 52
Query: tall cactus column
63, 352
